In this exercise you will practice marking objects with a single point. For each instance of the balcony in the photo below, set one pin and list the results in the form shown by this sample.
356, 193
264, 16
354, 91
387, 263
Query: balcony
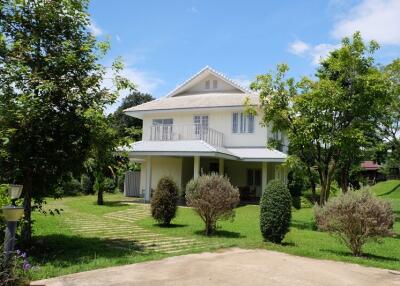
163, 132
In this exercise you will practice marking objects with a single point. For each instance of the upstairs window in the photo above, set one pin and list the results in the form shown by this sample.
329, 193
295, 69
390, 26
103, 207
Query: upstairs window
207, 84
242, 123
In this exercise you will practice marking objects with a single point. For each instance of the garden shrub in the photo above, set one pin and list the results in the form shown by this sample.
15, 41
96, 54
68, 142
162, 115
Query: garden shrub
164, 201
296, 186
109, 185
87, 185
275, 211
16, 271
213, 198
355, 218
71, 187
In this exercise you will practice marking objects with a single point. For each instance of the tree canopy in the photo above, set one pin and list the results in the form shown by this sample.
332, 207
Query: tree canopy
127, 126
328, 119
50, 88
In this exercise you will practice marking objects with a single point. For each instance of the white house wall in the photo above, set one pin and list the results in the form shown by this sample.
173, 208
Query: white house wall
162, 166
201, 87
220, 120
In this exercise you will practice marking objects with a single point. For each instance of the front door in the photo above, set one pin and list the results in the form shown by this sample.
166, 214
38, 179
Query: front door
254, 181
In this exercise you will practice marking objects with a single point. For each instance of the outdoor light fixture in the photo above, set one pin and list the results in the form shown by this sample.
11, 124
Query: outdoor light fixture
14, 191
12, 214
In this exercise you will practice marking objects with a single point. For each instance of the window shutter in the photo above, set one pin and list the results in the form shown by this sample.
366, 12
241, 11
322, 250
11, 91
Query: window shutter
235, 122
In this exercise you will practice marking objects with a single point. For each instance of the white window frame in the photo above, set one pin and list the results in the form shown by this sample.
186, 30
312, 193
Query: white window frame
202, 125
163, 130
244, 124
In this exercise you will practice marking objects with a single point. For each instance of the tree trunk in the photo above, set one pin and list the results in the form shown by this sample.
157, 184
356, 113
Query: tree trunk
313, 185
100, 199
344, 178
209, 227
26, 232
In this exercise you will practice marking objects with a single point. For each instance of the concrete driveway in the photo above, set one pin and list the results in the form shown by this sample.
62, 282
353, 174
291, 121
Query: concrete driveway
232, 267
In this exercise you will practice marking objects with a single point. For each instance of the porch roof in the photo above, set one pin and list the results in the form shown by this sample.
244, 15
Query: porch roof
203, 149
260, 154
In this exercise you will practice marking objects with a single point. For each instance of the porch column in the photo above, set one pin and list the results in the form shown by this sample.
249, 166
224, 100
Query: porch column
264, 176
221, 166
148, 179
196, 167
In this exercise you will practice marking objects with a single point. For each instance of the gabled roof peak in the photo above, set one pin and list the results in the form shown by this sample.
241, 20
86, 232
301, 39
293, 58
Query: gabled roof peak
210, 70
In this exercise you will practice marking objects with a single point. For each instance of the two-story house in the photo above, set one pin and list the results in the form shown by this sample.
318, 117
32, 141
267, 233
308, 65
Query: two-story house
201, 127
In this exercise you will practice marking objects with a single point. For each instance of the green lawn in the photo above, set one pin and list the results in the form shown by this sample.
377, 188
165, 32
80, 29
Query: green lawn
61, 249
302, 239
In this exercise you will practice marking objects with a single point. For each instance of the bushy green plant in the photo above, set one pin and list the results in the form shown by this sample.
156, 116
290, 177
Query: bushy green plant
355, 218
86, 184
109, 185
275, 211
71, 187
213, 198
15, 271
164, 201
296, 185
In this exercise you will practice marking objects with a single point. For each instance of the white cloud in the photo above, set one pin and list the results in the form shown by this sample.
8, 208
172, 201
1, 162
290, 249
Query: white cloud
321, 51
316, 53
145, 82
194, 10
298, 47
118, 38
94, 29
242, 80
376, 20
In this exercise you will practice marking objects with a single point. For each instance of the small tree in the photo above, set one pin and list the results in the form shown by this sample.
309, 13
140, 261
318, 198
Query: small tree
164, 201
275, 211
213, 198
355, 218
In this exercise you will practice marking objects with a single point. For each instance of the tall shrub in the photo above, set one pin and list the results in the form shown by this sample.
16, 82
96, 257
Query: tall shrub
164, 201
355, 218
275, 211
213, 198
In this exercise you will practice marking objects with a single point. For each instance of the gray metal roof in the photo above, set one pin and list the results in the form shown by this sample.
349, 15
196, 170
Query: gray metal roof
203, 100
201, 148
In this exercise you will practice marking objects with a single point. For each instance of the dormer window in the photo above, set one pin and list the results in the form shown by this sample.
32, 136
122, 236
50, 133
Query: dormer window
207, 84
215, 84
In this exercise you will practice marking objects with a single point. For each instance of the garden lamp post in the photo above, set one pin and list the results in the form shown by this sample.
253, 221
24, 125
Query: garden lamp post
12, 214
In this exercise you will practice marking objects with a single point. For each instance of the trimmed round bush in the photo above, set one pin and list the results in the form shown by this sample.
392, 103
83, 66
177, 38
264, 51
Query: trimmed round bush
275, 211
355, 218
212, 197
164, 201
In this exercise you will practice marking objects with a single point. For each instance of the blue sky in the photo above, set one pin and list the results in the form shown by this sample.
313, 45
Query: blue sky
165, 42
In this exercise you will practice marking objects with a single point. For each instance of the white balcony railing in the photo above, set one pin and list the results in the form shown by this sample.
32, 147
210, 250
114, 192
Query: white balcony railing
163, 132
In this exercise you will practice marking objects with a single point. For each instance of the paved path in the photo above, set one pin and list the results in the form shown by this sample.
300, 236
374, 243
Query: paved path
121, 231
232, 267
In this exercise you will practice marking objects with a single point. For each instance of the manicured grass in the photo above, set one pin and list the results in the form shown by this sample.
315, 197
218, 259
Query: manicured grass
61, 250
302, 239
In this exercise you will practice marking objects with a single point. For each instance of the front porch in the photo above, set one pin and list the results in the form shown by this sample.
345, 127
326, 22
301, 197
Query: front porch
250, 177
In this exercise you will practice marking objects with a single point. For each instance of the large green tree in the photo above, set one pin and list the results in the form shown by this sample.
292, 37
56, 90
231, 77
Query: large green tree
328, 118
50, 84
128, 126
390, 129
